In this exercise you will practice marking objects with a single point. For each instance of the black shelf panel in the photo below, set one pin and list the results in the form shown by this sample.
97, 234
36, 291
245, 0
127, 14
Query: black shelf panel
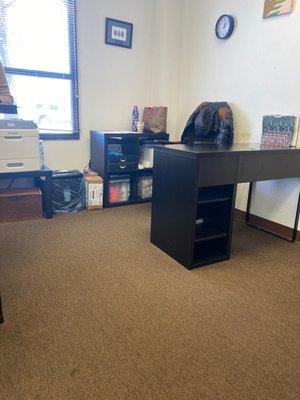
215, 193
214, 250
127, 203
8, 109
210, 233
213, 199
210, 259
139, 200
145, 170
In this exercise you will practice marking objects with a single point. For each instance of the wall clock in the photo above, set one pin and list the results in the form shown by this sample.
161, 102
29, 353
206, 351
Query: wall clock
224, 27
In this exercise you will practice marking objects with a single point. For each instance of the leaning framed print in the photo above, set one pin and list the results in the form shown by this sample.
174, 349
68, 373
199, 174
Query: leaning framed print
278, 7
118, 33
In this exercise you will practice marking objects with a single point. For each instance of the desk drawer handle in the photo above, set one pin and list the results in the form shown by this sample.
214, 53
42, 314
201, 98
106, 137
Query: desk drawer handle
13, 137
123, 159
122, 166
15, 165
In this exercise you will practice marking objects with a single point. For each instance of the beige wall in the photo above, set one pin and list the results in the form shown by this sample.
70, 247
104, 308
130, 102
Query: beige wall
256, 70
111, 79
177, 61
166, 59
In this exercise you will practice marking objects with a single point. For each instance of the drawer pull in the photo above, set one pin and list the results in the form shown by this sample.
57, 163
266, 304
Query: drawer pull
122, 166
123, 159
15, 165
13, 137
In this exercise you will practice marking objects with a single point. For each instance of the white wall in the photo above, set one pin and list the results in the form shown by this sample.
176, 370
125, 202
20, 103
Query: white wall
111, 79
166, 59
177, 61
256, 71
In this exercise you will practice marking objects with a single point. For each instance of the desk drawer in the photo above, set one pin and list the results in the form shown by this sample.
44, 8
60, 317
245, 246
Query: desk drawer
214, 171
122, 167
120, 159
19, 165
19, 146
263, 167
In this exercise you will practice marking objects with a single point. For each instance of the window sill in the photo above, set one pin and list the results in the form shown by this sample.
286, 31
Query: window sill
59, 136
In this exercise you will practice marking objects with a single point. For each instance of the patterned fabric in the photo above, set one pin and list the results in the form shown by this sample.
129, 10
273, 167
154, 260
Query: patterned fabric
278, 130
210, 122
155, 119
5, 96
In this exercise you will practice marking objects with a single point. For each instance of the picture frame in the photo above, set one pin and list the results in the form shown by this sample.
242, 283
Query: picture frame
275, 8
118, 33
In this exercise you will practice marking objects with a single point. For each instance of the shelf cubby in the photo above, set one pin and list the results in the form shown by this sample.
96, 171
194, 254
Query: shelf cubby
213, 224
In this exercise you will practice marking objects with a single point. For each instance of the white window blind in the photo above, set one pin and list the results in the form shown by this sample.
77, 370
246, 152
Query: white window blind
38, 51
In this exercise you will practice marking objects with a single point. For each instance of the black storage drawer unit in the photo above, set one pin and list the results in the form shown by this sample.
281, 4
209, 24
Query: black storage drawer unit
122, 167
119, 153
122, 158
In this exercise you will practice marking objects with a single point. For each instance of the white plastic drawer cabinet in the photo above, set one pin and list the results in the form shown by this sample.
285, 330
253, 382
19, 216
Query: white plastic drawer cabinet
19, 146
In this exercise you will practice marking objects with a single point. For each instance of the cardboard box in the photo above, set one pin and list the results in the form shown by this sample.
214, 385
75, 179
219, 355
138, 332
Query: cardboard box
94, 192
20, 204
88, 171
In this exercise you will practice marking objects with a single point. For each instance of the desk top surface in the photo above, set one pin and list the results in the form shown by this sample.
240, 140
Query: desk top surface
19, 174
235, 149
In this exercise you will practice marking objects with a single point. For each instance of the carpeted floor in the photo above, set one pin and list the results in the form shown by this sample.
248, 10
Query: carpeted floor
94, 311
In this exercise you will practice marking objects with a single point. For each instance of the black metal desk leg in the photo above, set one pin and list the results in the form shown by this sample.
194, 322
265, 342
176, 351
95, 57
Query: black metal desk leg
249, 202
295, 229
1, 313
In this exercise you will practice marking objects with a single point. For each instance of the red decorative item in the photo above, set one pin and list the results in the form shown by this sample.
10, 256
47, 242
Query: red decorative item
114, 194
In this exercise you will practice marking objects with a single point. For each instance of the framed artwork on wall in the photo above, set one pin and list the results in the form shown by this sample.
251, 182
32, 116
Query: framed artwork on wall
118, 33
278, 7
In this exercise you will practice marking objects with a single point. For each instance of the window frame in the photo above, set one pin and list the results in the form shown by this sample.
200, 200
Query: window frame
72, 77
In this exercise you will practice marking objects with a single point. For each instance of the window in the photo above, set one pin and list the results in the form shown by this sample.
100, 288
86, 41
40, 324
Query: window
38, 51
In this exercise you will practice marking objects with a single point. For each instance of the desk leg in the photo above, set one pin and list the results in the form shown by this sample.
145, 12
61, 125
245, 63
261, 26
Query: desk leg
47, 194
296, 222
1, 313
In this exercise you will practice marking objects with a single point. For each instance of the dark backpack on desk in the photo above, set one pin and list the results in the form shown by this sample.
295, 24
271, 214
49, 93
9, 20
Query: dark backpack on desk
210, 123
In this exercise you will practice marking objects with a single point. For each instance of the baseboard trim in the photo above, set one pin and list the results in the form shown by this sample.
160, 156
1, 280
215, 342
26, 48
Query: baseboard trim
266, 224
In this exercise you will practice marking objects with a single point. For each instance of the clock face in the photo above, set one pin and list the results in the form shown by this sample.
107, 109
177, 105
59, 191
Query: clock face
224, 26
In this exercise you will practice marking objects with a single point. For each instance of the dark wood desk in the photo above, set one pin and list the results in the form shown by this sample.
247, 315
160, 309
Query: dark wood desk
194, 192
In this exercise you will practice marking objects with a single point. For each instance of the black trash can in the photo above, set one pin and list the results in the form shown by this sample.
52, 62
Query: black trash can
68, 192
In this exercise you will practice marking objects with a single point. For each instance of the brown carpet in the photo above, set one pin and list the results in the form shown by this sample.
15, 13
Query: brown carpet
94, 311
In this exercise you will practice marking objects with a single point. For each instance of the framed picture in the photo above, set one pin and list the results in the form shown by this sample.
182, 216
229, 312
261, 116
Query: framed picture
278, 7
118, 33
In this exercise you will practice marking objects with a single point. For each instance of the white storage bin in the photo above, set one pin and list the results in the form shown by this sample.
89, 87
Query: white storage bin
119, 190
145, 185
146, 156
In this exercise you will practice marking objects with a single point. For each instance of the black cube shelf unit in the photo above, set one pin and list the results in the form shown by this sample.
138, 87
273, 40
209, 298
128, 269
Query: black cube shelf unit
124, 163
